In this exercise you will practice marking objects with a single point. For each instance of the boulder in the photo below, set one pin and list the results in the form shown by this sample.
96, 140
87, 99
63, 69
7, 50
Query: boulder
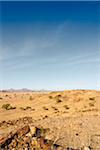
23, 130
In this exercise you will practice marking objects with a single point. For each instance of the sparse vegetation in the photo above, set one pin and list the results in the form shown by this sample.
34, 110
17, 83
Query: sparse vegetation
26, 108
78, 100
91, 104
32, 109
58, 100
58, 111
22, 108
50, 97
6, 95
66, 106
59, 95
54, 108
92, 98
91, 109
31, 98
8, 106
45, 108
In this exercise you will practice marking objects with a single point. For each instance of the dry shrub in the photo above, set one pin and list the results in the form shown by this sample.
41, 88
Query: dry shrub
58, 100
54, 108
91, 104
45, 108
27, 107
30, 98
8, 106
66, 107
50, 97
92, 98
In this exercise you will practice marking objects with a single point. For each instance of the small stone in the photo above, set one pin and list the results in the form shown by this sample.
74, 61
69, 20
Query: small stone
60, 148
34, 143
57, 147
2, 139
14, 143
28, 134
26, 148
35, 131
86, 148
44, 144
26, 139
38, 132
23, 130
32, 130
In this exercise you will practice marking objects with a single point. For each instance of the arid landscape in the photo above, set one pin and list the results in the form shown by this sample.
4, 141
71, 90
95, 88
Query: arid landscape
71, 117
49, 75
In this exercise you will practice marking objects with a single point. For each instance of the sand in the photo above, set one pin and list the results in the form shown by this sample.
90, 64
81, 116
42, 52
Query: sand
73, 116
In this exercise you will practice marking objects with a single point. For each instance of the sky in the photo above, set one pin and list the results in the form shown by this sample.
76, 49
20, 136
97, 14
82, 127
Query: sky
50, 45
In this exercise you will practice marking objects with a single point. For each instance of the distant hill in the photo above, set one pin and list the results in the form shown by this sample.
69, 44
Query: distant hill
23, 90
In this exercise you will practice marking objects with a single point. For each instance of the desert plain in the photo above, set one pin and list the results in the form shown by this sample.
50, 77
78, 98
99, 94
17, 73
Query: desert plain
72, 117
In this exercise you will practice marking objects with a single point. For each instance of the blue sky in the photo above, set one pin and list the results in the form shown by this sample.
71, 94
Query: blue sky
50, 45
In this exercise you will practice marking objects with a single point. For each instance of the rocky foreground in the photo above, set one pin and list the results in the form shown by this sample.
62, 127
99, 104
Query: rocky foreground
55, 120
29, 137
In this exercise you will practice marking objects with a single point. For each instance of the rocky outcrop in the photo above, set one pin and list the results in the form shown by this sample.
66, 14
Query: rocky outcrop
27, 138
30, 138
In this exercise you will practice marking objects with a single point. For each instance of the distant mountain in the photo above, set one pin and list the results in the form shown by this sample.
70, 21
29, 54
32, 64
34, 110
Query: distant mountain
24, 90
16, 90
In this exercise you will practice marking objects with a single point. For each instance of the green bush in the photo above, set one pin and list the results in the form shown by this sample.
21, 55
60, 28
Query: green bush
7, 107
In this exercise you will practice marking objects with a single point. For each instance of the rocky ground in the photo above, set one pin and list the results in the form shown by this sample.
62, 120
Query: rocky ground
29, 137
55, 120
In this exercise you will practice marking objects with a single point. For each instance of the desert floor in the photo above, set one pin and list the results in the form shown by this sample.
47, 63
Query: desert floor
72, 116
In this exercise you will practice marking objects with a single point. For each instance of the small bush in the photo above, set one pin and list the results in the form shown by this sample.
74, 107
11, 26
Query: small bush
22, 108
1, 98
92, 98
54, 108
91, 104
31, 98
33, 109
7, 107
50, 97
59, 95
6, 95
45, 108
28, 107
58, 100
66, 107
